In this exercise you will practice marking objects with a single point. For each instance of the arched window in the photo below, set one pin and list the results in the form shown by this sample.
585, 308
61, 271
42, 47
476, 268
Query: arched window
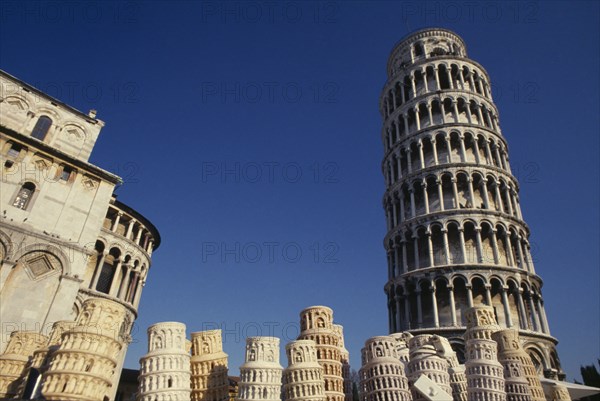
24, 196
41, 128
418, 50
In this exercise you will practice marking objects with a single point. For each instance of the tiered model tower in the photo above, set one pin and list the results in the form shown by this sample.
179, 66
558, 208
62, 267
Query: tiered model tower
424, 360
382, 374
303, 378
455, 233
485, 375
165, 369
209, 367
13, 362
84, 365
512, 355
260, 375
40, 360
458, 378
402, 351
316, 323
345, 359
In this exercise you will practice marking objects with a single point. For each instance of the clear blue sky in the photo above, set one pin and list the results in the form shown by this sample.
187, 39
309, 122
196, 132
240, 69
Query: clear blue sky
249, 133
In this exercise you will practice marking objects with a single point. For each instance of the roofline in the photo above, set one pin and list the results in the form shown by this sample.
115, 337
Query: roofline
106, 175
50, 98
138, 216
421, 30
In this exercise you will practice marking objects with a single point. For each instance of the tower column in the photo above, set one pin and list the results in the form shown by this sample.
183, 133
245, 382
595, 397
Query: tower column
425, 196
452, 304
463, 151
436, 318
438, 182
98, 270
469, 288
437, 78
521, 306
543, 316
534, 316
430, 249
506, 306
463, 248
475, 146
483, 189
455, 192
421, 156
115, 279
446, 247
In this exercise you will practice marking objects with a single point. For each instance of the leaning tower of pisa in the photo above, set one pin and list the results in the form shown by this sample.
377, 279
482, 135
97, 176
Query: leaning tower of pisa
15, 359
382, 374
165, 369
209, 367
316, 323
303, 378
84, 365
260, 374
456, 237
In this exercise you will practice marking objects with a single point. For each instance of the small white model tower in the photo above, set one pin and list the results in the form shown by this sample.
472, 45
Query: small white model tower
424, 360
165, 369
260, 375
303, 378
382, 373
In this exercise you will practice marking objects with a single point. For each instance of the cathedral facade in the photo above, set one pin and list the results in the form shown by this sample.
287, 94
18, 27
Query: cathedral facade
64, 237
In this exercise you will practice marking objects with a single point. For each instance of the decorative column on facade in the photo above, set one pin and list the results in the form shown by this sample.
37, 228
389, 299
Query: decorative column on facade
511, 352
303, 378
30, 387
260, 375
84, 365
345, 360
450, 135
316, 323
165, 369
458, 378
424, 360
209, 367
485, 375
382, 375
17, 355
